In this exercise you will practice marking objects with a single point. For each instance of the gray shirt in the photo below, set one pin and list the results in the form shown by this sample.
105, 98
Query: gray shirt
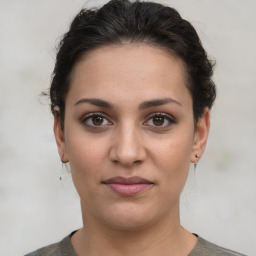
65, 248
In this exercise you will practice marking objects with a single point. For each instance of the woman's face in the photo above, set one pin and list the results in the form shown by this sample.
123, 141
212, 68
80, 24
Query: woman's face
129, 134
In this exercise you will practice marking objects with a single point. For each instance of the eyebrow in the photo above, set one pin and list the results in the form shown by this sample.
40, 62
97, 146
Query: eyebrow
144, 105
158, 102
96, 102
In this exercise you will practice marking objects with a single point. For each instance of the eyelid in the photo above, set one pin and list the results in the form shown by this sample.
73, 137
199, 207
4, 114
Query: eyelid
84, 118
168, 117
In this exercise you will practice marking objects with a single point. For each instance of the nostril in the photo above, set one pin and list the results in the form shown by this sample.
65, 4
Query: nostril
127, 163
127, 149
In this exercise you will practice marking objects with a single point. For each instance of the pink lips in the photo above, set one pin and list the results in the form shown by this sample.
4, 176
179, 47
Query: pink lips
127, 186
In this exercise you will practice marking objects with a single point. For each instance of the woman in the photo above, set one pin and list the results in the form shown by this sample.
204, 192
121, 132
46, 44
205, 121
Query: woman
131, 96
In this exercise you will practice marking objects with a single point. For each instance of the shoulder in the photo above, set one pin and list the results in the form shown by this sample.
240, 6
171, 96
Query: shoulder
62, 248
50, 250
204, 247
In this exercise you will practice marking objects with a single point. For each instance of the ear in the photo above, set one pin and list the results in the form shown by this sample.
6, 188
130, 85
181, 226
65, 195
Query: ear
200, 137
60, 139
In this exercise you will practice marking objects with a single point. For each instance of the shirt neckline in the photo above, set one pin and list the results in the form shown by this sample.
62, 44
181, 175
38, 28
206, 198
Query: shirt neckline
67, 248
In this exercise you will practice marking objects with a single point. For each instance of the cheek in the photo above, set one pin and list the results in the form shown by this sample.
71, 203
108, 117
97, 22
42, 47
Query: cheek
85, 153
84, 150
86, 158
172, 157
175, 150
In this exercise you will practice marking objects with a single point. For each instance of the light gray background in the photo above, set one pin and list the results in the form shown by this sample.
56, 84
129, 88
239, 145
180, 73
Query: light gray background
37, 209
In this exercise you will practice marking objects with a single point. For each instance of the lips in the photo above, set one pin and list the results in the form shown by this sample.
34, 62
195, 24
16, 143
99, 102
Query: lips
127, 186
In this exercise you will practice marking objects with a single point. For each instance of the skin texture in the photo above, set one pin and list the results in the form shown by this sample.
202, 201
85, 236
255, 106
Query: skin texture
129, 143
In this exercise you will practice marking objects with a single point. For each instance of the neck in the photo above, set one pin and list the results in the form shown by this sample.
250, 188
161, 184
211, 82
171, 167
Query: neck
166, 237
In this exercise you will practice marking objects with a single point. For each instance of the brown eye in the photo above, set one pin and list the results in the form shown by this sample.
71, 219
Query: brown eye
158, 120
97, 120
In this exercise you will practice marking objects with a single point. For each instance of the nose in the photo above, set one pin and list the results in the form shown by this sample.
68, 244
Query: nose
127, 147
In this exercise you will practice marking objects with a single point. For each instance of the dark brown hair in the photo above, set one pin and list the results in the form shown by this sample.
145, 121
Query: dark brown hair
123, 21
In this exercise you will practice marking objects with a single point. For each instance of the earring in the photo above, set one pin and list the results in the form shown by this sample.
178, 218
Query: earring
61, 173
64, 163
195, 163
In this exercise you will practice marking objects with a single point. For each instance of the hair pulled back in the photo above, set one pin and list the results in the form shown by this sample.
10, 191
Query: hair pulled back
123, 21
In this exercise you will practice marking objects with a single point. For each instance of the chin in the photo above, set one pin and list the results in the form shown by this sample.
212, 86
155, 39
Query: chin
129, 217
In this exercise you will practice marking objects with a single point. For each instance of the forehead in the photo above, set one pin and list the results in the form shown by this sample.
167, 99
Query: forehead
135, 70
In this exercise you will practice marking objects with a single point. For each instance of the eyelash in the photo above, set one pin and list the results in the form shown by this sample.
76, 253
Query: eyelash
166, 117
89, 117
